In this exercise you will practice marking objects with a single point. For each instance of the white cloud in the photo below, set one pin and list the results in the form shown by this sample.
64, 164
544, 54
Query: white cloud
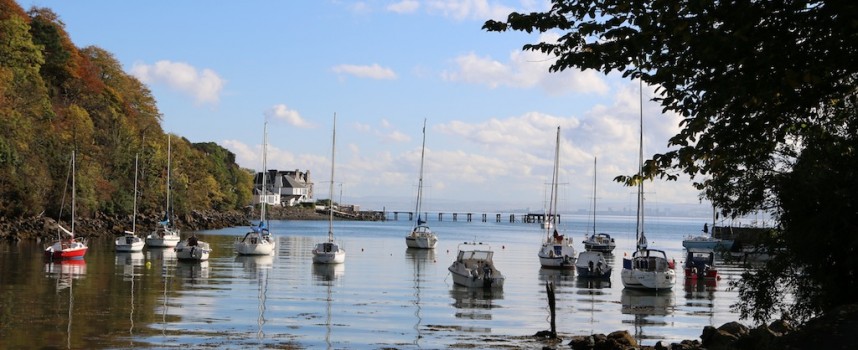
404, 6
373, 72
282, 112
204, 85
525, 69
469, 9
385, 131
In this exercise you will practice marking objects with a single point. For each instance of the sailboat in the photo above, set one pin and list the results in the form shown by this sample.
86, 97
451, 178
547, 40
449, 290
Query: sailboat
647, 268
165, 235
259, 240
598, 242
557, 251
330, 252
67, 246
421, 235
130, 242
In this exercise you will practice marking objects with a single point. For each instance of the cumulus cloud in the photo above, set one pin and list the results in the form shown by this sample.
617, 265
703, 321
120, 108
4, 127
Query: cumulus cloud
204, 85
524, 69
282, 112
385, 131
372, 72
404, 6
469, 9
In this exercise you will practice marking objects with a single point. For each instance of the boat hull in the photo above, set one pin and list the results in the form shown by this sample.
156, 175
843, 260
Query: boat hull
255, 244
198, 252
129, 243
421, 242
65, 250
592, 265
328, 253
710, 244
162, 241
599, 243
470, 280
554, 255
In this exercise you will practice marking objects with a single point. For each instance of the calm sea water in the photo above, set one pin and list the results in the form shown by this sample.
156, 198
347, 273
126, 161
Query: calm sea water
384, 296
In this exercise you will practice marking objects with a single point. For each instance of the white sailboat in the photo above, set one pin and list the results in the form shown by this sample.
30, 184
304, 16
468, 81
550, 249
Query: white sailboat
67, 246
259, 241
557, 251
130, 242
647, 268
598, 242
421, 236
165, 235
330, 252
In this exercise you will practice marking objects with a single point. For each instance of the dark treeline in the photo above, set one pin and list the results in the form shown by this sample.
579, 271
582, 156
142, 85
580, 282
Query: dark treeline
56, 97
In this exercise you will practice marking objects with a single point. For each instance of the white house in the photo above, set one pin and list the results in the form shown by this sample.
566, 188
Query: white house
286, 188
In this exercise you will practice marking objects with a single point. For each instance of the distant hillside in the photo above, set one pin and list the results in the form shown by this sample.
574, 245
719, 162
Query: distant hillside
56, 97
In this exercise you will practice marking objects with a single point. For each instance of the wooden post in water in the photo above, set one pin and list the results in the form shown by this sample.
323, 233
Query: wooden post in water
549, 289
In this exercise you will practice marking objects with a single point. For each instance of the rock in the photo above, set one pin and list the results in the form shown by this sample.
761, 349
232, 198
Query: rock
582, 342
718, 339
623, 338
734, 328
781, 327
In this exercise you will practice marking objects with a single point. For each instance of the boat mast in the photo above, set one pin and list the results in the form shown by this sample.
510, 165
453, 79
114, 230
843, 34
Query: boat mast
420, 181
264, 171
552, 204
331, 200
594, 196
169, 214
73, 194
640, 219
134, 218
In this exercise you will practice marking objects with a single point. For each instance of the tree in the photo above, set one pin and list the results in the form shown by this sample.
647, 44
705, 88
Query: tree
764, 88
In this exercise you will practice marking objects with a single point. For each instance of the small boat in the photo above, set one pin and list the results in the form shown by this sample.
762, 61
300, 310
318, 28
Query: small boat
421, 236
557, 251
259, 241
67, 245
592, 265
165, 235
700, 263
647, 268
474, 268
129, 242
598, 242
330, 252
706, 241
192, 249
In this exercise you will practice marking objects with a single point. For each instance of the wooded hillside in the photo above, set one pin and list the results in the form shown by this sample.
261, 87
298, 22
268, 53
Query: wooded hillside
56, 97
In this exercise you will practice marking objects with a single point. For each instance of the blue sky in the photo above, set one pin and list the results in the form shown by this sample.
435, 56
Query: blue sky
219, 69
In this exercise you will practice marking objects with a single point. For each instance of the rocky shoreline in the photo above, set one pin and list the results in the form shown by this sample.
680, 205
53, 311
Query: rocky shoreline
834, 330
100, 225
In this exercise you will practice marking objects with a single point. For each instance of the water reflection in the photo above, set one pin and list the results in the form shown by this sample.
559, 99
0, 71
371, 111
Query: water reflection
558, 276
192, 271
648, 309
130, 262
419, 258
475, 303
66, 272
326, 275
258, 267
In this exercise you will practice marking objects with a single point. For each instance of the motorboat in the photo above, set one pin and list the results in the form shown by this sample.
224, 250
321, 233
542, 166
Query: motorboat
192, 249
592, 264
474, 267
700, 263
706, 242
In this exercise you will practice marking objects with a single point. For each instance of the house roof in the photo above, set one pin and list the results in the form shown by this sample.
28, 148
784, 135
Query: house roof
289, 181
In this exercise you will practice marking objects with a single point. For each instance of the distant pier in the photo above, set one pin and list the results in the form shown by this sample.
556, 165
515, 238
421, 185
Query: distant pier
395, 215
